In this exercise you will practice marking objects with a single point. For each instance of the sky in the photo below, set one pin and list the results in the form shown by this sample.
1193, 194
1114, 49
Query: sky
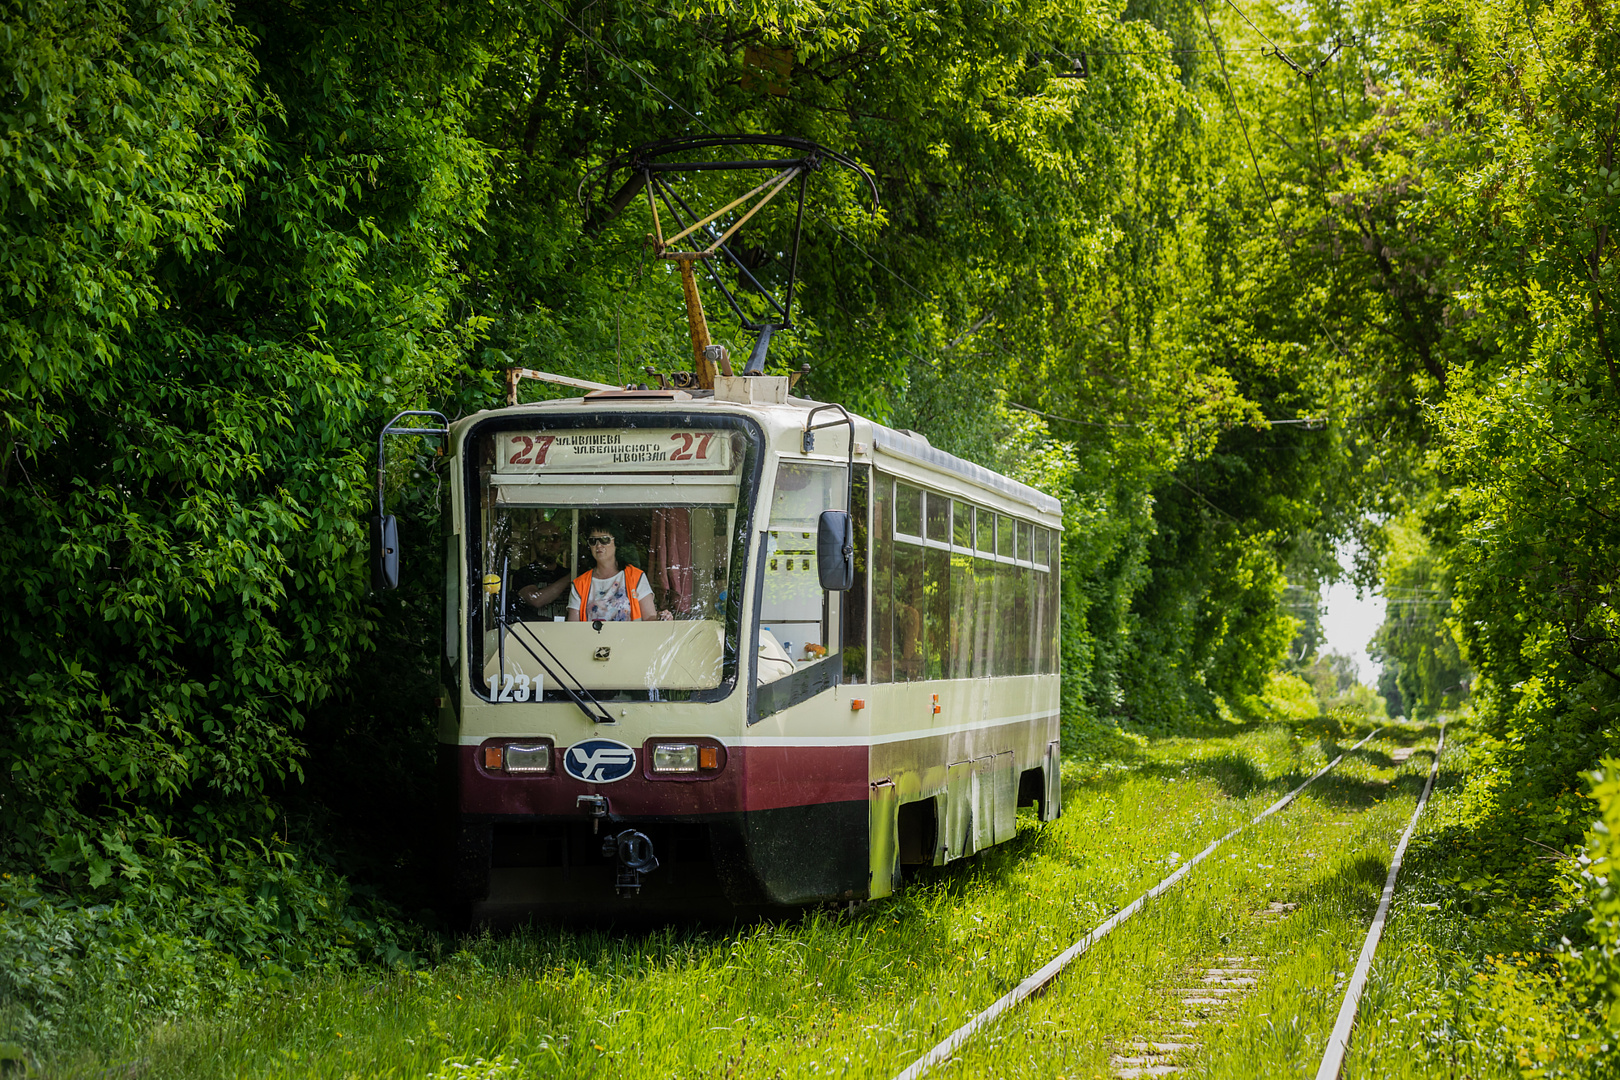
1351, 621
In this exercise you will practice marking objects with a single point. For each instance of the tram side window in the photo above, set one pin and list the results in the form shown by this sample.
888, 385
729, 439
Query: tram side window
984, 582
908, 511
1048, 646
854, 602
936, 586
882, 580
1018, 610
1054, 595
1000, 592
938, 512
964, 592
909, 598
958, 591
1032, 593
1040, 612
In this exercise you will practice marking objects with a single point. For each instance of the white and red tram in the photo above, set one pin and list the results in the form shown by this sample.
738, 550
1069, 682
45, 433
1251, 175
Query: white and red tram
764, 740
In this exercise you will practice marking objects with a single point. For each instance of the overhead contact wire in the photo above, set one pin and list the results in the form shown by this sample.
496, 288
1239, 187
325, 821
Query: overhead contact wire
628, 66
610, 54
948, 1046
1339, 1042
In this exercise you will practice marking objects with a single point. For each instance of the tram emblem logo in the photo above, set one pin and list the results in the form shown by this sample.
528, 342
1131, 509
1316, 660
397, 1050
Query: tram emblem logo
599, 761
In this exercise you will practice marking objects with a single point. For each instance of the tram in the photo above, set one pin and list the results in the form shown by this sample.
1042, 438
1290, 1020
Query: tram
763, 739
715, 647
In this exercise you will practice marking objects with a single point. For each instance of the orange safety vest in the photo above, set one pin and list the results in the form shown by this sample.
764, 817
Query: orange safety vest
632, 581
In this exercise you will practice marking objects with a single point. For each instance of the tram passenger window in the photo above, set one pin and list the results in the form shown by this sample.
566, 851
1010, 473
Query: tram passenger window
882, 584
936, 613
962, 525
964, 614
908, 611
1003, 574
1046, 553
907, 510
854, 601
984, 618
964, 594
1054, 594
1012, 600
882, 580
1021, 616
938, 509
909, 598
1038, 616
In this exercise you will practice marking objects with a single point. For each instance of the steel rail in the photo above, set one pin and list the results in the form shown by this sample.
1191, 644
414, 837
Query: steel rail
947, 1046
1339, 1042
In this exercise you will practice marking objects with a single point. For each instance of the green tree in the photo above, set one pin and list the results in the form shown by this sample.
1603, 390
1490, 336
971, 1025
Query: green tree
233, 245
1416, 643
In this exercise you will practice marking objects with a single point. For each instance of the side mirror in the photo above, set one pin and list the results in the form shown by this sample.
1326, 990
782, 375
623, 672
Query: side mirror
835, 550
384, 552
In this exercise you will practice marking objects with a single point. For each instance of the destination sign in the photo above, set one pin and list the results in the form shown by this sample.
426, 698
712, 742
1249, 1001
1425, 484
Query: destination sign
624, 450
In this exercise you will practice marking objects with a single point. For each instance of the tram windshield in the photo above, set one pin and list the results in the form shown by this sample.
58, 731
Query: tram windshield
605, 559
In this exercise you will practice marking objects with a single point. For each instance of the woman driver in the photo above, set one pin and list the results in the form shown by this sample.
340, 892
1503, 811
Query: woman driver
610, 592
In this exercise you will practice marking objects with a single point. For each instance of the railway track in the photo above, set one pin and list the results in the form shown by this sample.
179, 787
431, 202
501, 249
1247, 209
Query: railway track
1210, 991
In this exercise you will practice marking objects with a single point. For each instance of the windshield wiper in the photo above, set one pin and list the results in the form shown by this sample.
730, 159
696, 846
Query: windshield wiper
601, 715
578, 697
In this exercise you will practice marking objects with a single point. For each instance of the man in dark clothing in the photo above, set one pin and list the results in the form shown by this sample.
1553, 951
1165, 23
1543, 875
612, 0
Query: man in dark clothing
544, 580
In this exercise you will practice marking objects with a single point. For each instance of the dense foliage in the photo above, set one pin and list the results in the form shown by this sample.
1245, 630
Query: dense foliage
1236, 304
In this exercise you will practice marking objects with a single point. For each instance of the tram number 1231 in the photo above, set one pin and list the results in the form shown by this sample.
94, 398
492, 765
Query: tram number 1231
512, 687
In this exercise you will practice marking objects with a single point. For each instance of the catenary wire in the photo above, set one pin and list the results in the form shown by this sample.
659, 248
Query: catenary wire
610, 54
700, 122
650, 85
1244, 124
1277, 49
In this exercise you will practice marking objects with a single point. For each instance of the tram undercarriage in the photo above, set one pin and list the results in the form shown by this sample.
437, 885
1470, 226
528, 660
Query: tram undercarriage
508, 869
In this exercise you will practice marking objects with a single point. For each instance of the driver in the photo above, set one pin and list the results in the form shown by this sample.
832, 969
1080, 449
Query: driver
610, 592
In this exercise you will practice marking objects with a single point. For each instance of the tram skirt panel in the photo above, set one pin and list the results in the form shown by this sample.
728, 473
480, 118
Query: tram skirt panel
1052, 804
883, 869
800, 854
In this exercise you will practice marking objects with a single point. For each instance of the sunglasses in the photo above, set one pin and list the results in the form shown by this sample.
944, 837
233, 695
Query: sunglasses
598, 541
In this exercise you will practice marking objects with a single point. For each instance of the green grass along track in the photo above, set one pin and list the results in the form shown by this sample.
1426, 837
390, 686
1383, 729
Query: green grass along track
863, 994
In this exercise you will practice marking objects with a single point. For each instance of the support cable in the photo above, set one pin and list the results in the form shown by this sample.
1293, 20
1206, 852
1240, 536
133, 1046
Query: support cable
1242, 123
1038, 981
1276, 49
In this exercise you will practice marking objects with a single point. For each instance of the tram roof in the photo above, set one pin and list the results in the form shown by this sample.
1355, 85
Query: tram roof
873, 441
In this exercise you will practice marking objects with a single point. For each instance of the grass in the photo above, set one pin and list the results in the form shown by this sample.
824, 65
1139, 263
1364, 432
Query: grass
862, 993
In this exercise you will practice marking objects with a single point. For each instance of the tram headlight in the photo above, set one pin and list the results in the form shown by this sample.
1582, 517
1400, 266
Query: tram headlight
675, 757
698, 758
531, 757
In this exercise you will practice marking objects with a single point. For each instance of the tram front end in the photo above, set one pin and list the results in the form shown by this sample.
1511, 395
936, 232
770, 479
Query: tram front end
601, 659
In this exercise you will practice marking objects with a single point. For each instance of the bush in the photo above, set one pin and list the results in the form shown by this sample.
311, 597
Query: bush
1590, 881
187, 931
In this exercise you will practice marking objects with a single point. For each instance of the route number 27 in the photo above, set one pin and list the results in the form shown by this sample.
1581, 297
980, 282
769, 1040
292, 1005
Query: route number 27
686, 439
533, 451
